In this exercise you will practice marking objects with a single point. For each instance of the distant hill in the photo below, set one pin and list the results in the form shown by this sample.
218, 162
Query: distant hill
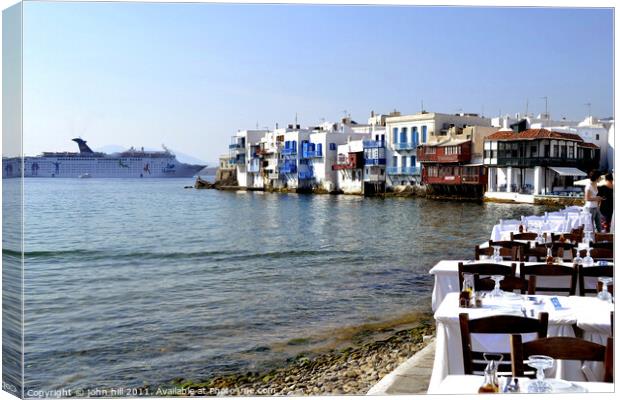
184, 158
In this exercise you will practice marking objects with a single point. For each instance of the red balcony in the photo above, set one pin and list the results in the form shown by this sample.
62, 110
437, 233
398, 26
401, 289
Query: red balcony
445, 153
350, 161
454, 175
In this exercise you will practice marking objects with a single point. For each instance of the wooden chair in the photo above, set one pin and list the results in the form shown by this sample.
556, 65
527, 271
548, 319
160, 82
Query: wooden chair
597, 254
473, 361
580, 229
560, 348
603, 237
508, 284
485, 269
551, 270
595, 272
522, 236
507, 254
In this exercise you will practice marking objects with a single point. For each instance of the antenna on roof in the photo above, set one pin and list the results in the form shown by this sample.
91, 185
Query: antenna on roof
546, 106
295, 119
527, 103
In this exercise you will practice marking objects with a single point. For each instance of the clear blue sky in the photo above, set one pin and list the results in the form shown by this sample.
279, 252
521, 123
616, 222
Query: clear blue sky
191, 75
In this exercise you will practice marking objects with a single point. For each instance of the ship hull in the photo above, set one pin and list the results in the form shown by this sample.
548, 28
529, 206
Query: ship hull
98, 167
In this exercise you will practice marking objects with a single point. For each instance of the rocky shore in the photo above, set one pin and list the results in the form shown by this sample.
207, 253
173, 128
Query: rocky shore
352, 370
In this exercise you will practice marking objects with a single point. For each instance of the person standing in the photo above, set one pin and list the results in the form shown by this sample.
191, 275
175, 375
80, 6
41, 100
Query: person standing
607, 205
593, 200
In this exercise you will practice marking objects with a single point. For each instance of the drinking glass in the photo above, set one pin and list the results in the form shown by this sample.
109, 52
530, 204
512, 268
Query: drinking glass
496, 254
497, 292
588, 261
604, 293
541, 363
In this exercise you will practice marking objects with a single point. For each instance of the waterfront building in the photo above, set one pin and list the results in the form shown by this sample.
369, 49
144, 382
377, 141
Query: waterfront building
242, 149
536, 161
454, 166
374, 162
269, 154
350, 167
406, 132
291, 171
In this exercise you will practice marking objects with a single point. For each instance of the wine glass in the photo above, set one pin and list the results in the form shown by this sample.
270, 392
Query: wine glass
541, 363
496, 254
604, 293
497, 292
588, 261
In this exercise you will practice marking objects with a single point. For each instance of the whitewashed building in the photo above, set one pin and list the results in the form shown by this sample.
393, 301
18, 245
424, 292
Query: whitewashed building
243, 154
349, 167
406, 132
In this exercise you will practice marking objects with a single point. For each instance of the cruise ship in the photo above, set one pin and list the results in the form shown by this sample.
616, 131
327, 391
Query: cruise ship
131, 163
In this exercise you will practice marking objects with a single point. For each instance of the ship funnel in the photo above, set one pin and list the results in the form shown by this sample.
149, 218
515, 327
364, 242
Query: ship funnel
84, 149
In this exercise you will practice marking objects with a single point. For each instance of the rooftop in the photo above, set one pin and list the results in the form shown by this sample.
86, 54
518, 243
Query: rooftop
532, 134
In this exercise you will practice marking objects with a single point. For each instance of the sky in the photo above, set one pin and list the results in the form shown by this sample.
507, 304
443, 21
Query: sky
190, 75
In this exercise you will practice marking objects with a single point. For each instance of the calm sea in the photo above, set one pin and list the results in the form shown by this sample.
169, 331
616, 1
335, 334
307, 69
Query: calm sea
133, 282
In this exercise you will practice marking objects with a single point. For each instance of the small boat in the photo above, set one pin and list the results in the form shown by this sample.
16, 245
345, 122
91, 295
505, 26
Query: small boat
85, 175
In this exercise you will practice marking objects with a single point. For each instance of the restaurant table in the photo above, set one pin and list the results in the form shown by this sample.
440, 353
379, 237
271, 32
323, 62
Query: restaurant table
574, 309
446, 274
469, 384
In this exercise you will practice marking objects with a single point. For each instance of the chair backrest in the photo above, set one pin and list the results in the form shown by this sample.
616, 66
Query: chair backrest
603, 237
473, 361
507, 254
578, 229
560, 348
485, 269
508, 284
572, 237
597, 254
602, 245
523, 236
539, 253
551, 270
508, 244
596, 271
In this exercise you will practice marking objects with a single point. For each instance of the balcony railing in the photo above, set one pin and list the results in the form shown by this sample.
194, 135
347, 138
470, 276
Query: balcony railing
403, 171
370, 144
374, 161
289, 152
404, 146
234, 146
288, 169
312, 154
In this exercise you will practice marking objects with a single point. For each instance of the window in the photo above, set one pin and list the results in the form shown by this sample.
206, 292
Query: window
414, 135
597, 136
403, 135
412, 161
395, 135
429, 150
395, 161
424, 134
571, 151
319, 149
547, 150
332, 146
533, 150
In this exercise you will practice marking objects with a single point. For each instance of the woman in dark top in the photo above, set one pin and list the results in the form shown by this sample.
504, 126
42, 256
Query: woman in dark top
607, 205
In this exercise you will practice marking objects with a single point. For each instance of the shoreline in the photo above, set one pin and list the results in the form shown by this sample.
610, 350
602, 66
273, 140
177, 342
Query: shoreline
364, 356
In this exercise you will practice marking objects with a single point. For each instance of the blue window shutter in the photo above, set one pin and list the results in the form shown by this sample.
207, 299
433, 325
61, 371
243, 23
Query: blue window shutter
395, 161
320, 148
424, 134
395, 135
403, 135
413, 161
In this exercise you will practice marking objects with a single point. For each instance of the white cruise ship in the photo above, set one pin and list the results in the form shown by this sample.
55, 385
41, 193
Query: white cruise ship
87, 163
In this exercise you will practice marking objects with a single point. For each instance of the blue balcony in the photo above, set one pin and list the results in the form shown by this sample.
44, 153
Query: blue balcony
306, 175
374, 161
403, 171
234, 146
405, 146
371, 144
311, 154
288, 168
289, 151
240, 160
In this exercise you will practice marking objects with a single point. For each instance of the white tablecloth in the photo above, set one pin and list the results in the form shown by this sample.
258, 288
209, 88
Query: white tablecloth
556, 222
469, 384
449, 355
447, 279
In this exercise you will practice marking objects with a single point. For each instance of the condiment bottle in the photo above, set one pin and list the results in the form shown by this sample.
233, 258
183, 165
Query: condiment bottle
490, 384
520, 228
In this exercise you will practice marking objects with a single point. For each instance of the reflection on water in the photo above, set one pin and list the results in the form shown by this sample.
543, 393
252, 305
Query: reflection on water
140, 281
